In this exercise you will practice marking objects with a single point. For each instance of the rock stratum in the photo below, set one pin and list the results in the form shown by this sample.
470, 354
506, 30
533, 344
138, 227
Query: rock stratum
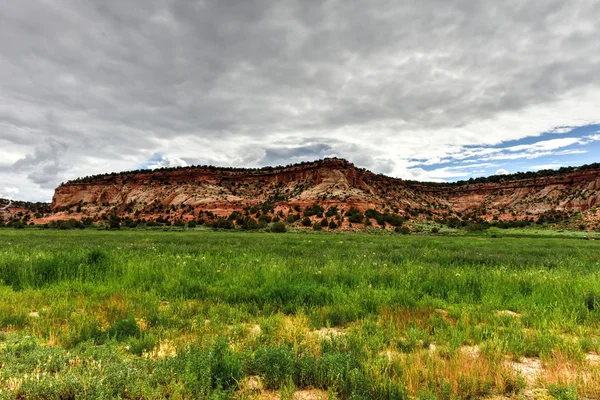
208, 192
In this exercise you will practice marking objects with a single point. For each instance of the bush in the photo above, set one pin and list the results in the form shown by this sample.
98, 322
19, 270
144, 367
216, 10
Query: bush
306, 221
18, 225
314, 209
114, 223
139, 345
403, 230
332, 211
435, 230
332, 225
559, 392
354, 215
211, 367
123, 329
317, 226
250, 224
222, 223
278, 227
276, 364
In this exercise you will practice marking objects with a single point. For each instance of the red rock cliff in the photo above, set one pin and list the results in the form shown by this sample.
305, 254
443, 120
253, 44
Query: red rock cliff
330, 182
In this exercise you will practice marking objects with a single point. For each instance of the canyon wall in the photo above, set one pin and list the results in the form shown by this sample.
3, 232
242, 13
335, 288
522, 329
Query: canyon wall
185, 192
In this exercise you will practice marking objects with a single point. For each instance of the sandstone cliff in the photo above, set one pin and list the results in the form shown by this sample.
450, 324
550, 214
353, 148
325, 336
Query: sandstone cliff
185, 193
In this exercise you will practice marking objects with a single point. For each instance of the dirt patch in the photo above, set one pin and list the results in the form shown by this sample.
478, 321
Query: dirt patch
163, 350
255, 330
471, 351
593, 359
312, 394
252, 384
508, 313
329, 332
252, 387
142, 324
529, 368
391, 355
441, 311
309, 394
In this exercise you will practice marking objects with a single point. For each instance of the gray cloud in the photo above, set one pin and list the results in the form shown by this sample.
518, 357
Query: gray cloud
95, 86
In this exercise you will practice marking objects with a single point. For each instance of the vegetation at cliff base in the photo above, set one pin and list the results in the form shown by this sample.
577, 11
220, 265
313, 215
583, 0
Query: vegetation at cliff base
181, 314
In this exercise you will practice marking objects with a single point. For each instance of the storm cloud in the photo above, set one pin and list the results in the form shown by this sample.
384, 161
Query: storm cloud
98, 86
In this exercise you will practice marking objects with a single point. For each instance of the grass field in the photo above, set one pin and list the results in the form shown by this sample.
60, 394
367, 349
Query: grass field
94, 314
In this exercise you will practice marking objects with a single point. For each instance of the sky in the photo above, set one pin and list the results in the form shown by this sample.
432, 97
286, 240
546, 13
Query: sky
437, 90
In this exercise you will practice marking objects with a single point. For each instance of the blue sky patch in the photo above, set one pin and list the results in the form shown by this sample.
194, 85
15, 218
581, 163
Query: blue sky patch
564, 146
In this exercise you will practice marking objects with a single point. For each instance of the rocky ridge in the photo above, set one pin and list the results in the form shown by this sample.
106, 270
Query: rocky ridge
190, 192
208, 193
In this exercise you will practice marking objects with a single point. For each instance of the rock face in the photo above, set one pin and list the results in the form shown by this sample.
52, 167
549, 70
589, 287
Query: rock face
186, 192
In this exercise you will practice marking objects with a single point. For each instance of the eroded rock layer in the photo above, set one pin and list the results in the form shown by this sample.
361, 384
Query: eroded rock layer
186, 192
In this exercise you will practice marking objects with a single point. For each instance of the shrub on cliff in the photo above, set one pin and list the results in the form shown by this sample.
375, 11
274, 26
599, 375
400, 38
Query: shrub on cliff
332, 211
354, 215
314, 209
306, 221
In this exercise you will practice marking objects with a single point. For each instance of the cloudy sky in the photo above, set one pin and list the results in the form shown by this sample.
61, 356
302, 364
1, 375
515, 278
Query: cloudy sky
428, 90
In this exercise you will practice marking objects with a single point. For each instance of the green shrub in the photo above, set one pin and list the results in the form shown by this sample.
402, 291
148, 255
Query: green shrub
278, 227
354, 215
138, 345
275, 365
124, 329
560, 392
211, 367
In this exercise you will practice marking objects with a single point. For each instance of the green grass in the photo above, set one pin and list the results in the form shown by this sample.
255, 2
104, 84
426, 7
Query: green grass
135, 314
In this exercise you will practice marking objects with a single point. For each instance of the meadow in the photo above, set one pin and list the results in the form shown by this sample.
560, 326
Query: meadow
216, 315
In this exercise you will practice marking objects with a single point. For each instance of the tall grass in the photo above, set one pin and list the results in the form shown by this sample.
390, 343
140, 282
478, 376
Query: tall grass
233, 305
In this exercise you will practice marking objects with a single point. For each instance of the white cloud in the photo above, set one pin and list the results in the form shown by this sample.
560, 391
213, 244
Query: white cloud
546, 145
168, 162
562, 129
501, 171
545, 166
9, 193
